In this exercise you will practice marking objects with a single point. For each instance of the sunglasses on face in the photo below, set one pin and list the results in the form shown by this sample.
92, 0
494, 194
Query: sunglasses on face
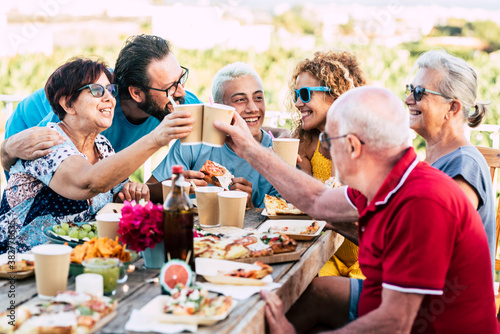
173, 87
418, 92
305, 93
98, 90
325, 141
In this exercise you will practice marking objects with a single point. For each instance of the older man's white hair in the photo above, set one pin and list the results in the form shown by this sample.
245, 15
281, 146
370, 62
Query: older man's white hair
228, 73
377, 116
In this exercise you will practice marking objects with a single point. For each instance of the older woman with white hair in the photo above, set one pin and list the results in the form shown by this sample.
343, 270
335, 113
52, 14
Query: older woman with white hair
442, 100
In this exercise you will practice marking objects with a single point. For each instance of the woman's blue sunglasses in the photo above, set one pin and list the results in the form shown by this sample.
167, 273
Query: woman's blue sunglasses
305, 93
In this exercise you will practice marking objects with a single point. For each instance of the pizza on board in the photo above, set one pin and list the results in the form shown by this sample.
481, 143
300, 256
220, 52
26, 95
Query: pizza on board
217, 174
68, 313
226, 247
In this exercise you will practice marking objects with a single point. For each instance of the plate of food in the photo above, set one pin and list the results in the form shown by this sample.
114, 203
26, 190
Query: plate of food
296, 229
23, 267
189, 305
71, 233
278, 208
234, 273
82, 313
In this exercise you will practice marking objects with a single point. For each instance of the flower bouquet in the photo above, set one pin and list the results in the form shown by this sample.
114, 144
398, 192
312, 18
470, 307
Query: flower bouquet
141, 225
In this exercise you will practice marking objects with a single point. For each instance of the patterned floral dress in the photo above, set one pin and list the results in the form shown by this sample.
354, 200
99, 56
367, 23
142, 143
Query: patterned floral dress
29, 206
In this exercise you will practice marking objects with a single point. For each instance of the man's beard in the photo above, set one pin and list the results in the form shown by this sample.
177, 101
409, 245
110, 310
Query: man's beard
149, 106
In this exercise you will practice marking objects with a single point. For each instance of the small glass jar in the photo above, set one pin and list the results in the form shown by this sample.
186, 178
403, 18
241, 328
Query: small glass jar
109, 269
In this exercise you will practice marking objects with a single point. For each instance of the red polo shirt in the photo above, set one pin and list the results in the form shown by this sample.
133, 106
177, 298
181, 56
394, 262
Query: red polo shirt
420, 234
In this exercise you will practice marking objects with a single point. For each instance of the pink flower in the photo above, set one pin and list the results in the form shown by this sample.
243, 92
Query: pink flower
141, 225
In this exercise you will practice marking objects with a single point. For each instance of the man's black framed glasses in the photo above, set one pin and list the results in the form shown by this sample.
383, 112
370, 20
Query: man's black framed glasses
173, 87
305, 93
419, 91
325, 141
98, 90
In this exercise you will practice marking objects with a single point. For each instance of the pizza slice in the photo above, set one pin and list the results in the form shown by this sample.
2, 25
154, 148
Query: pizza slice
264, 270
17, 266
280, 243
311, 229
216, 174
278, 206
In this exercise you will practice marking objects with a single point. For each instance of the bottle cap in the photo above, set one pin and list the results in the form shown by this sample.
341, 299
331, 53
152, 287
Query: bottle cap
177, 169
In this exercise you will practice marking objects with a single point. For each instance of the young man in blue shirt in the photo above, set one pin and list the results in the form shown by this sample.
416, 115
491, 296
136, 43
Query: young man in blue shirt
236, 85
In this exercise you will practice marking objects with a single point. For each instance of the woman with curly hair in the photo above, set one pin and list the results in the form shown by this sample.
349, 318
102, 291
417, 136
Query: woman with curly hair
315, 84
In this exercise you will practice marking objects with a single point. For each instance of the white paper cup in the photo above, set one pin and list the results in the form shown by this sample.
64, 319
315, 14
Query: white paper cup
89, 283
287, 149
51, 269
207, 202
196, 111
232, 206
167, 184
215, 112
107, 225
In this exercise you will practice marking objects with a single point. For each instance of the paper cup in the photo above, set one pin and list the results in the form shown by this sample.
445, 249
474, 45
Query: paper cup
196, 110
107, 225
215, 112
89, 283
232, 206
167, 184
207, 202
287, 149
51, 269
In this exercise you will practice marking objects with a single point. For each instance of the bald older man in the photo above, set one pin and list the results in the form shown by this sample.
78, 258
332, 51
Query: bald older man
416, 229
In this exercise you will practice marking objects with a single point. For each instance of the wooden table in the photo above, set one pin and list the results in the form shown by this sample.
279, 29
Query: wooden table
247, 317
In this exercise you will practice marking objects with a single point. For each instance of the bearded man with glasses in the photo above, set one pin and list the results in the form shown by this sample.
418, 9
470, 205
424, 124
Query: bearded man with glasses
146, 73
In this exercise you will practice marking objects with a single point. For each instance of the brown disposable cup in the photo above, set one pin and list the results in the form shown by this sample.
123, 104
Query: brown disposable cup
232, 206
287, 149
196, 111
207, 202
215, 112
107, 225
167, 184
51, 269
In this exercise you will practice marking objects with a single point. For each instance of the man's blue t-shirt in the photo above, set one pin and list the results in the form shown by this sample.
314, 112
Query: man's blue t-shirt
35, 110
192, 157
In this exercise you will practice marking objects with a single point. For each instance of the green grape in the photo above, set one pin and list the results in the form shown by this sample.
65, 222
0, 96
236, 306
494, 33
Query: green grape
73, 233
82, 234
91, 235
86, 227
55, 227
65, 226
60, 231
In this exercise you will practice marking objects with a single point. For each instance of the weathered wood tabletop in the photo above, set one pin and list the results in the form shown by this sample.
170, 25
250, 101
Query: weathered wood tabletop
247, 317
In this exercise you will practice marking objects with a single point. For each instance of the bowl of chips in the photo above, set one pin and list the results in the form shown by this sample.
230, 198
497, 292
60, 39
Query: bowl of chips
99, 247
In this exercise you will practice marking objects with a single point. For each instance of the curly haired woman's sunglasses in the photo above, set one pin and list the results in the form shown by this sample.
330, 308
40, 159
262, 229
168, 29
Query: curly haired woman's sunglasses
305, 93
